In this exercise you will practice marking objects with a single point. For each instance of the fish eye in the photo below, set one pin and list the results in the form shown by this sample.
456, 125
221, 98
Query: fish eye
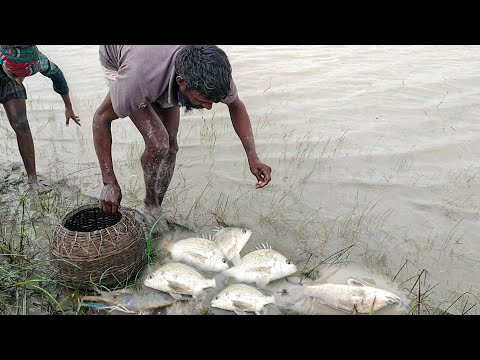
283, 292
216, 298
150, 276
224, 260
288, 262
244, 231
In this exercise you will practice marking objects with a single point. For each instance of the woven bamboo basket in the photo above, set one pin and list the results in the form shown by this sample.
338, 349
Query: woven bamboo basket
92, 246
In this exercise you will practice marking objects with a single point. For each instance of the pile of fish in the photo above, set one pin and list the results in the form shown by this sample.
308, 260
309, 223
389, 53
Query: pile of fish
185, 275
221, 255
189, 272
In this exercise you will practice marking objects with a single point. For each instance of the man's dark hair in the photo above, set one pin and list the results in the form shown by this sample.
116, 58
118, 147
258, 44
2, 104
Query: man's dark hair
205, 69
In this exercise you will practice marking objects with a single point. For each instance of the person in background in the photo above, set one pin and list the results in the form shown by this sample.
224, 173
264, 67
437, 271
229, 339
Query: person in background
149, 84
18, 62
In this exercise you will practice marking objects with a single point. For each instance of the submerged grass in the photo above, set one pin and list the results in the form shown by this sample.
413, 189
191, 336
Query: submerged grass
26, 282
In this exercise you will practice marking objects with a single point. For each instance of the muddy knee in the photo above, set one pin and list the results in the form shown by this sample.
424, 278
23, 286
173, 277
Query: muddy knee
154, 153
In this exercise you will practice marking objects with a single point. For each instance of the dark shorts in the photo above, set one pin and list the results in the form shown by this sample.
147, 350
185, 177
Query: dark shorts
12, 90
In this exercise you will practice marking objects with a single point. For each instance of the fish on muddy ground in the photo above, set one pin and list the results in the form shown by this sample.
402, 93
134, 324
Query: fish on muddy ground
127, 301
203, 254
356, 297
178, 279
261, 267
232, 240
241, 299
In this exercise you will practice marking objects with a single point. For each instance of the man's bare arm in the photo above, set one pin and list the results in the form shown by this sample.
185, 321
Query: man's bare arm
102, 138
243, 128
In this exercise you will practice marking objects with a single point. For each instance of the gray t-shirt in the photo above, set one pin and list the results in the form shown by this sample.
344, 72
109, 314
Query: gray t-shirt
146, 74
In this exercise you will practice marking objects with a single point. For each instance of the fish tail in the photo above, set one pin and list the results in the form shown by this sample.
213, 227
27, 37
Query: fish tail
220, 280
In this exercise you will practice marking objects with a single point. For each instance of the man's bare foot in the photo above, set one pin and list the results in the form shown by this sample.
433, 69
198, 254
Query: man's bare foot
32, 180
39, 185
155, 220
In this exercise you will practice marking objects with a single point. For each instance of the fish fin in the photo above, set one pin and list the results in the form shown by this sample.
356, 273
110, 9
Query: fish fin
392, 298
177, 287
255, 248
262, 283
176, 296
258, 313
242, 305
148, 312
299, 283
236, 260
354, 310
205, 236
221, 279
212, 283
354, 282
240, 312
197, 255
217, 229
262, 246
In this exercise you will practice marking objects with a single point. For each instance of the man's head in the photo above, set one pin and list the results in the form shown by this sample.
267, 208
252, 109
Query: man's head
203, 75
19, 61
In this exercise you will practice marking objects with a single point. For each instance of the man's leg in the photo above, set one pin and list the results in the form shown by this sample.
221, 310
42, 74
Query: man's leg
170, 118
156, 141
16, 111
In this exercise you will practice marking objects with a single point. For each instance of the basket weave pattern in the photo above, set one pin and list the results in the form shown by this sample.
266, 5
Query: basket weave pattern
90, 245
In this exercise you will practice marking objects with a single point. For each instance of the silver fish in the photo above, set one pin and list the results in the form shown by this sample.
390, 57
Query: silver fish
127, 301
201, 253
241, 298
232, 240
178, 279
355, 297
261, 267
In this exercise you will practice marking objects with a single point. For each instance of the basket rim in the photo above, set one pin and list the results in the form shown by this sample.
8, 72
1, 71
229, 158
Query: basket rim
75, 211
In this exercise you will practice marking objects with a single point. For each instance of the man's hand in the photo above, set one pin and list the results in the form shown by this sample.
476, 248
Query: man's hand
69, 114
262, 172
110, 198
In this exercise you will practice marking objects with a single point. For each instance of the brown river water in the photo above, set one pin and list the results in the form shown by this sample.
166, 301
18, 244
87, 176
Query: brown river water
374, 151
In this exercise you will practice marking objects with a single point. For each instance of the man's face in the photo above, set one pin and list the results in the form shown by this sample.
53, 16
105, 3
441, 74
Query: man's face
18, 79
190, 99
